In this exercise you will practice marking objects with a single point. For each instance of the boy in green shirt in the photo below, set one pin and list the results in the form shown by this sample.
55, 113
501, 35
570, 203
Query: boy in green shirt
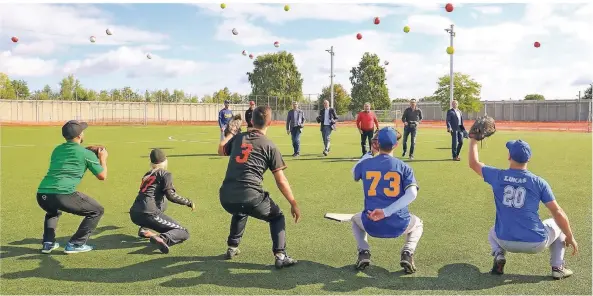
57, 191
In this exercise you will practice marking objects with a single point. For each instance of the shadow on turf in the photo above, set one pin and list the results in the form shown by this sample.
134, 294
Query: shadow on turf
215, 271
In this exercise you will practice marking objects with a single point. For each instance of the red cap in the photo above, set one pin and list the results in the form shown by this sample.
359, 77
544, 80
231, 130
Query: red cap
251, 103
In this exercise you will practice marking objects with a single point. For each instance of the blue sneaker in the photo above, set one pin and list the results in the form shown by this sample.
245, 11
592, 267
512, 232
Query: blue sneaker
72, 248
48, 247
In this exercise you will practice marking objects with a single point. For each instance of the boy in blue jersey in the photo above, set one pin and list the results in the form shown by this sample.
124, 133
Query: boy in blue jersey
224, 117
518, 228
389, 187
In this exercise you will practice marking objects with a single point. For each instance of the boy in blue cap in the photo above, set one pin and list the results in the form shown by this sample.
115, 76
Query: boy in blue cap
518, 228
389, 187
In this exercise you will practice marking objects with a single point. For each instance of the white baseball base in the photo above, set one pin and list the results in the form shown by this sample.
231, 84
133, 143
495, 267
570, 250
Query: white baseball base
338, 217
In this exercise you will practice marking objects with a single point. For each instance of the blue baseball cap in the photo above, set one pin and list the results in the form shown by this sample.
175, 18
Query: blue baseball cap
387, 138
519, 151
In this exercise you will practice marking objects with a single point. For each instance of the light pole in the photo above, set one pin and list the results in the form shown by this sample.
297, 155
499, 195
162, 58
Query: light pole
331, 83
451, 34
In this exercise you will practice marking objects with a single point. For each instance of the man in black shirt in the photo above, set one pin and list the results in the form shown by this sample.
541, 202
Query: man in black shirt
150, 204
249, 114
411, 118
242, 194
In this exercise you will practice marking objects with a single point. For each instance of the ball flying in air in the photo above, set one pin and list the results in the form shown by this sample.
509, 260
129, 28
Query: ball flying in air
108, 32
14, 39
251, 56
377, 20
406, 29
450, 50
244, 52
276, 44
449, 7
536, 44
286, 7
149, 56
386, 63
235, 32
358, 36
93, 39
222, 5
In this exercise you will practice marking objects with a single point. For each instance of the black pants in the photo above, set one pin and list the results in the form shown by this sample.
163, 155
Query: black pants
263, 209
169, 229
76, 203
409, 131
364, 137
456, 142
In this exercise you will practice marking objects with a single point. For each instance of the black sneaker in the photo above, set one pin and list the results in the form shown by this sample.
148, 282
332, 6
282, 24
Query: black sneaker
411, 157
407, 262
284, 261
231, 253
160, 242
404, 154
498, 264
364, 260
325, 152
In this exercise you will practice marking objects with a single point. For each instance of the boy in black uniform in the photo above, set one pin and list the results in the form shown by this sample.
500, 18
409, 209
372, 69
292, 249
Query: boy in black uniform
147, 210
242, 194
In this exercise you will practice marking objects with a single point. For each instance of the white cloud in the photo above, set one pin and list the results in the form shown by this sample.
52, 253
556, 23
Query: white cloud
28, 67
488, 9
249, 34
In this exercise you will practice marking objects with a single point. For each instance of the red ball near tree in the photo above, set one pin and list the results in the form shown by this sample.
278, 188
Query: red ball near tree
358, 36
449, 7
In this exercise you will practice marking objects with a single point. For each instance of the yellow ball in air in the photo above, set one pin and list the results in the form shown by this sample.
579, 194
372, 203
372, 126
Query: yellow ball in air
222, 5
286, 7
406, 29
450, 50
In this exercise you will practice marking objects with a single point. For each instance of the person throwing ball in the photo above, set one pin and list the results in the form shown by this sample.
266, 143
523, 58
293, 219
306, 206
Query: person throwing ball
150, 204
389, 187
242, 195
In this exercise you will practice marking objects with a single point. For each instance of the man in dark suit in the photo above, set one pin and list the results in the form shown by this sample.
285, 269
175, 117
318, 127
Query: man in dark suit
295, 121
327, 118
456, 128
249, 115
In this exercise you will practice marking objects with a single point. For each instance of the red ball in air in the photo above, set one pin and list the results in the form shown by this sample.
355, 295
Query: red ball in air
449, 7
14, 39
536, 44
377, 21
358, 36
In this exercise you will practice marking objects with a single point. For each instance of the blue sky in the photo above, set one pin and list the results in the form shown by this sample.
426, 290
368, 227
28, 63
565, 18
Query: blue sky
193, 48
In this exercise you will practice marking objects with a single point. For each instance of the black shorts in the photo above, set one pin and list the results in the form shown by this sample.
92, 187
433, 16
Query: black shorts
76, 203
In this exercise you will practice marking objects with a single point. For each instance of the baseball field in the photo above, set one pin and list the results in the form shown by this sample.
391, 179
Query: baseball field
453, 256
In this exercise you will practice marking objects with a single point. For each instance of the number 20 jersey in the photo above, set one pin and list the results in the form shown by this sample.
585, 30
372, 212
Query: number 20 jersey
251, 154
385, 179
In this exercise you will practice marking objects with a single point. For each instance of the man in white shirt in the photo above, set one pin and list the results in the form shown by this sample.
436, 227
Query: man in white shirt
456, 129
327, 118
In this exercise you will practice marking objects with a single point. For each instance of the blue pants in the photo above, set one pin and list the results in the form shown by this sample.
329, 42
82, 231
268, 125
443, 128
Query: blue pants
409, 132
326, 132
456, 142
295, 134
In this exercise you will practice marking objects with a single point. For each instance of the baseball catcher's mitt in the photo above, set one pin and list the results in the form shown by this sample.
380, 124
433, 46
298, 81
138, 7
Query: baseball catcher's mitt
234, 126
95, 149
482, 128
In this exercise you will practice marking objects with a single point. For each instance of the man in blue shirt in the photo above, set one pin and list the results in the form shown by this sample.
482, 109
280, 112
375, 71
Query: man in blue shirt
224, 117
518, 228
389, 187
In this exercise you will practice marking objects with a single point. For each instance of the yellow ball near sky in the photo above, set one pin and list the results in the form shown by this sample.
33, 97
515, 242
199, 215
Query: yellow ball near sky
450, 50
222, 5
286, 7
406, 29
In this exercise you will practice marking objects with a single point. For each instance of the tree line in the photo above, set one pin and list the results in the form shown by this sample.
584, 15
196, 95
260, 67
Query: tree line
274, 75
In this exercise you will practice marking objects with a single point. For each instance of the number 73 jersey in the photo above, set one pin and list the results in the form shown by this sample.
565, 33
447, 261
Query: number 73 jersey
385, 179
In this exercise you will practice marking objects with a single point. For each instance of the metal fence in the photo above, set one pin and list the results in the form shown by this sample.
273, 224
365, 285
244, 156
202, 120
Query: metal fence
40, 111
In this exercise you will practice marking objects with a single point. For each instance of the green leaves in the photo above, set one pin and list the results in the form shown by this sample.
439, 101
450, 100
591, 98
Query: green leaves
466, 92
534, 97
368, 84
342, 99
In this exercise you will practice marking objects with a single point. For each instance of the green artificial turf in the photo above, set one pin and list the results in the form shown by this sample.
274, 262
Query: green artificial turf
455, 204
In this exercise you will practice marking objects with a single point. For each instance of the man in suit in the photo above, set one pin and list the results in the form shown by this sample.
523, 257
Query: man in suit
327, 118
295, 121
249, 114
456, 129
411, 118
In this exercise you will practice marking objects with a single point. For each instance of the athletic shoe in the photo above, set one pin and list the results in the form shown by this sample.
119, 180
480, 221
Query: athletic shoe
498, 264
407, 262
160, 242
231, 253
364, 259
48, 247
72, 248
145, 233
411, 157
282, 260
404, 154
325, 152
559, 273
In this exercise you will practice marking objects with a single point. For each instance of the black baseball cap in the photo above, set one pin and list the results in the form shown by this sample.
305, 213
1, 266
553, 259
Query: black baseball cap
73, 129
157, 156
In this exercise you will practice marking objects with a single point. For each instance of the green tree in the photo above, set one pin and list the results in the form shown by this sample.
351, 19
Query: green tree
466, 92
21, 89
194, 99
276, 75
92, 95
534, 97
178, 95
6, 90
68, 87
208, 99
221, 95
400, 100
587, 95
104, 95
368, 84
342, 99
236, 98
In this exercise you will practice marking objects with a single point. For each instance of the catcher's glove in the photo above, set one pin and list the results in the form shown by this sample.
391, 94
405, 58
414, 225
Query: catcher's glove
234, 126
95, 149
482, 128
